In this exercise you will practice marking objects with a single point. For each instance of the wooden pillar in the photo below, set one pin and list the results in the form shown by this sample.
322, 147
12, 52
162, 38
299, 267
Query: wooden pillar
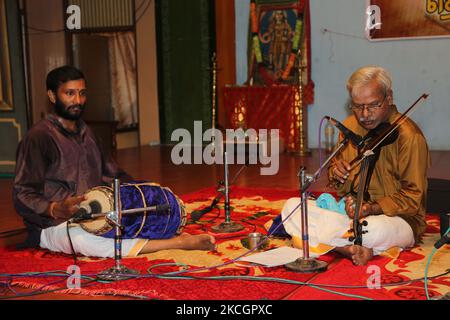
226, 53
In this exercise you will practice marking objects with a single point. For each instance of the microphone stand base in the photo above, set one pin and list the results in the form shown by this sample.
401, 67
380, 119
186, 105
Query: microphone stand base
117, 274
228, 227
307, 265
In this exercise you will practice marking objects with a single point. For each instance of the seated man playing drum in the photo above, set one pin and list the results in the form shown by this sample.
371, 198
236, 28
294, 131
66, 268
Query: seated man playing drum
60, 166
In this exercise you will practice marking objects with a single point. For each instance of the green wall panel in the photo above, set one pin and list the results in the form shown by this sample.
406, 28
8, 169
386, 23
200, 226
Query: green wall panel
185, 45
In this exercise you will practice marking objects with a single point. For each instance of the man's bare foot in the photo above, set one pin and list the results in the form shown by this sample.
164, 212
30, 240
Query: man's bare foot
197, 242
359, 255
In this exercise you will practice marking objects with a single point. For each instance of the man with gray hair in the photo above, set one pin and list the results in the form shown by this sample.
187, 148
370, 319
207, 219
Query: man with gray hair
395, 207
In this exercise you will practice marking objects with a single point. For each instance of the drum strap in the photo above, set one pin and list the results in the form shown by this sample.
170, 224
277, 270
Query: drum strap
144, 218
170, 210
182, 210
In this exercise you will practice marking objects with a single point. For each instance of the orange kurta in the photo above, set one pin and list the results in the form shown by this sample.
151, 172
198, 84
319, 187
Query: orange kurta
399, 180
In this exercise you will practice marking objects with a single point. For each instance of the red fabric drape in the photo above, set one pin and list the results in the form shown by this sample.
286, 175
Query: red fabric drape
267, 107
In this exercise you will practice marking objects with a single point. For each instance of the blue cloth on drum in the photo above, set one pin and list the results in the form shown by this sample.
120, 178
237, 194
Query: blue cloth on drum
151, 224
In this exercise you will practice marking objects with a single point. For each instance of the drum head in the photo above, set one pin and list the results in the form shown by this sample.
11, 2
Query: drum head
104, 196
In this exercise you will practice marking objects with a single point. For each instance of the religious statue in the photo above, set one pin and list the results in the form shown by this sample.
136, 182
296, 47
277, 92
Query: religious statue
279, 36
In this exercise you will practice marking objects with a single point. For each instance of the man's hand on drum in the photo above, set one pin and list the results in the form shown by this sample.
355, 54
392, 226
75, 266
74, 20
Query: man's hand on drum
66, 208
350, 205
341, 171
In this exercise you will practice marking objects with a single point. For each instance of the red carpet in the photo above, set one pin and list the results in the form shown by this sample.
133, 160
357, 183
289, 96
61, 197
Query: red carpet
252, 208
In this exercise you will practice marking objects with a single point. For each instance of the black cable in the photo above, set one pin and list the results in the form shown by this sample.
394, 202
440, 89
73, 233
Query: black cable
394, 284
218, 197
14, 230
71, 244
12, 233
8, 287
254, 226
205, 223
95, 281
215, 217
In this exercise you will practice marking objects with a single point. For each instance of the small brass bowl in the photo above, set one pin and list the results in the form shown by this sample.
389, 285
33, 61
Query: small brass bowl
253, 239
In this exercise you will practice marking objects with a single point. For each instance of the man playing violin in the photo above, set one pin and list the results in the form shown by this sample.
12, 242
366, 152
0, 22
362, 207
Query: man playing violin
395, 206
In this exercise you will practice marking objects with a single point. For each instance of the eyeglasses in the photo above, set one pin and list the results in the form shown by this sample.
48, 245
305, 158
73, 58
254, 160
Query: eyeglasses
370, 107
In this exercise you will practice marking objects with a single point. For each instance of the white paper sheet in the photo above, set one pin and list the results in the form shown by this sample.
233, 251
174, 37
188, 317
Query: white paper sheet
276, 257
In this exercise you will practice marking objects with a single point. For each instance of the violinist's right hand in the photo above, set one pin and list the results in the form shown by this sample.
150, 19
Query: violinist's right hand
341, 171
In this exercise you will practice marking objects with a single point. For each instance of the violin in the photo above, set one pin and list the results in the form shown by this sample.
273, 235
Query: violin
372, 149
374, 135
370, 142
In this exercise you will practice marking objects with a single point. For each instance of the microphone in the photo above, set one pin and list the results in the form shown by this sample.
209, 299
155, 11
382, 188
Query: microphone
197, 214
85, 212
353, 137
159, 207
444, 240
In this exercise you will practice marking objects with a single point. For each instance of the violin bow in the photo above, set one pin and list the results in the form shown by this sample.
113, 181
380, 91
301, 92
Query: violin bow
397, 123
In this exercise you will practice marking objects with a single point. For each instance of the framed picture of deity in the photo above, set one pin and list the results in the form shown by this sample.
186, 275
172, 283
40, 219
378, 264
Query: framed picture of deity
279, 42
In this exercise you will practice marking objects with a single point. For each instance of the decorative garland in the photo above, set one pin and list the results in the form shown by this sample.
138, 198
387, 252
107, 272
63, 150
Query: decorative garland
257, 45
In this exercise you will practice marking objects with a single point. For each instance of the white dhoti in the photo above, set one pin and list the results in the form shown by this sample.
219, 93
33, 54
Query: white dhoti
328, 229
84, 243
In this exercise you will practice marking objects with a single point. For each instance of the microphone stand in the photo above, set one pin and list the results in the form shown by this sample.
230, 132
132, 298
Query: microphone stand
221, 190
118, 272
227, 226
111, 216
306, 264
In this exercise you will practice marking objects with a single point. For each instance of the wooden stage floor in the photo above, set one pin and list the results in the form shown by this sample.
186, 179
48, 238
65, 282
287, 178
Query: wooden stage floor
154, 164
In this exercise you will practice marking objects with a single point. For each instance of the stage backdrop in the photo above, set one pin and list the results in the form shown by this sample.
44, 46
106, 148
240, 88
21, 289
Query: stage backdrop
408, 18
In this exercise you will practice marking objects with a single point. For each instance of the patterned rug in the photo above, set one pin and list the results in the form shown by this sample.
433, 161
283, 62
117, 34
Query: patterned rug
236, 281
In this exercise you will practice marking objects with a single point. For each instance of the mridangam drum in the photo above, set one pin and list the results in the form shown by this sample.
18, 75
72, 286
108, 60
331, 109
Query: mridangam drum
145, 225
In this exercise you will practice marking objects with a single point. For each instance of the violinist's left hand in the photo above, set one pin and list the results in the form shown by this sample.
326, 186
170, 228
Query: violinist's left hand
350, 203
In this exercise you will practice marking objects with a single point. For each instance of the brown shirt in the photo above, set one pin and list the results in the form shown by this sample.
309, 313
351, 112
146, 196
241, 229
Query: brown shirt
53, 164
399, 180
